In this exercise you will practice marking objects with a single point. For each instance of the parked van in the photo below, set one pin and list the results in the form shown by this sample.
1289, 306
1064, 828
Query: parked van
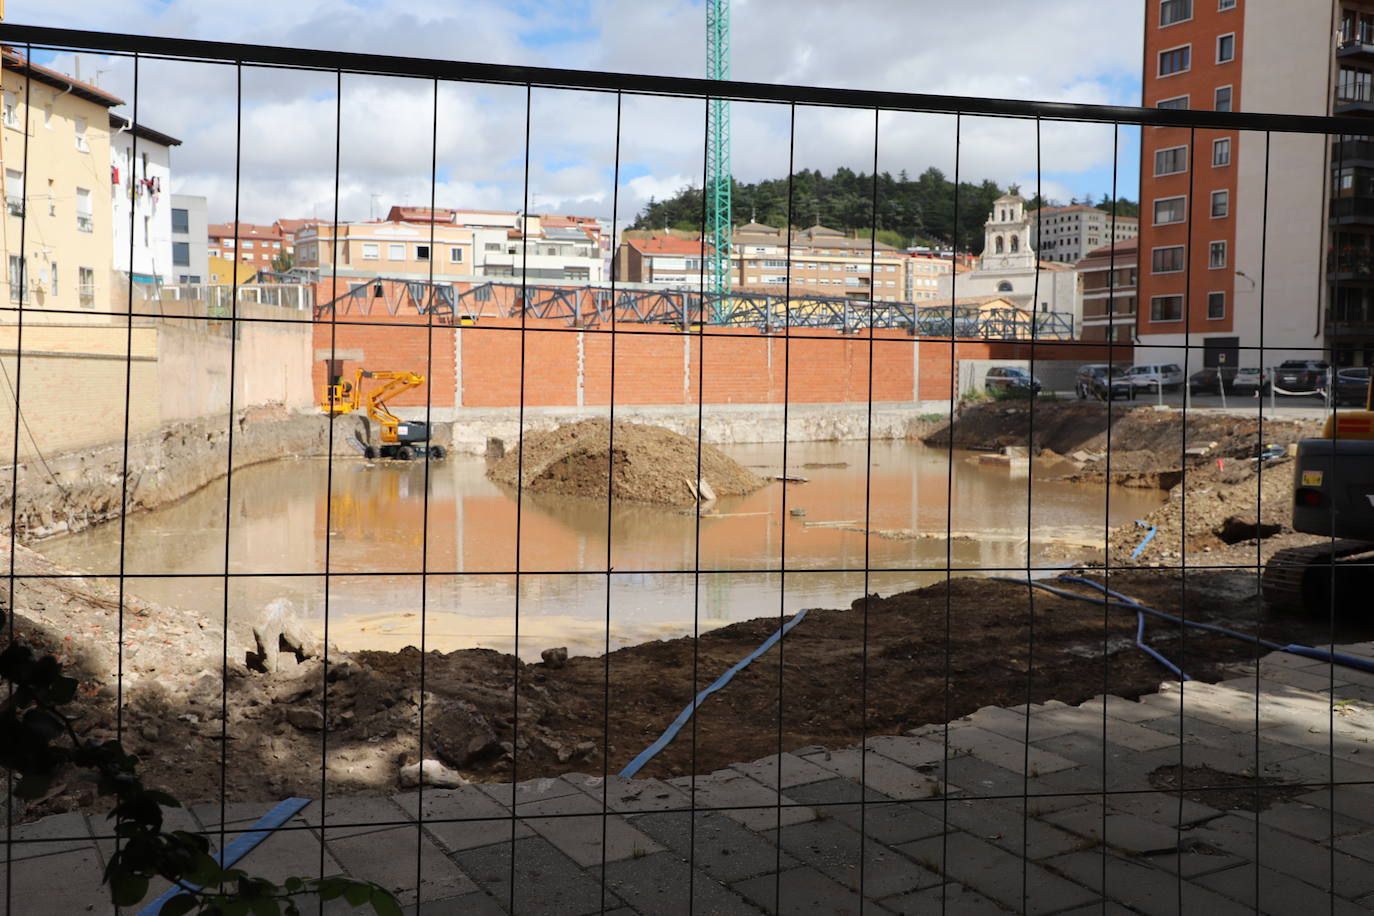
1156, 375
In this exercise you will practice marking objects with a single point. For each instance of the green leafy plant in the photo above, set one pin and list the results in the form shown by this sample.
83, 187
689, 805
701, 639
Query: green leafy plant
38, 741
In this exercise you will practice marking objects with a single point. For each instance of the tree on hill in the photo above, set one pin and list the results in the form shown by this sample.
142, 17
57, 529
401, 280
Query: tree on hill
905, 210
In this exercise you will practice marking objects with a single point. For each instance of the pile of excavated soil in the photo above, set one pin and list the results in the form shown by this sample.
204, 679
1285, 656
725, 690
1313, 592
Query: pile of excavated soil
1142, 440
641, 463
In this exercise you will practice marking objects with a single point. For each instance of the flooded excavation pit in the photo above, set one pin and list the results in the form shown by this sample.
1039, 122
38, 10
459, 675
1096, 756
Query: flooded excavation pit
401, 571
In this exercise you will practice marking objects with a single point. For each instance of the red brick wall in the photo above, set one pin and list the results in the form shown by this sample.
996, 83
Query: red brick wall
658, 364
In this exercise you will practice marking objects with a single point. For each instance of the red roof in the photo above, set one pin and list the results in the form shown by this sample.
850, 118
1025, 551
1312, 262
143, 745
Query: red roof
419, 215
245, 231
15, 61
665, 245
292, 226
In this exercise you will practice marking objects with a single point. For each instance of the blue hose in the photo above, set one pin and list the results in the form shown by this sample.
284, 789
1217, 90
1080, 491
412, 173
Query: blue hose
1141, 546
671, 731
1153, 653
1127, 603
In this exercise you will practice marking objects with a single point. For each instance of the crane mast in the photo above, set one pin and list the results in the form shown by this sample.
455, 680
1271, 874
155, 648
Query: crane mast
718, 186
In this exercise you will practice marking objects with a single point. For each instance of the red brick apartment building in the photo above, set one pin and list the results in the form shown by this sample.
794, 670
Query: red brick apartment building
1208, 257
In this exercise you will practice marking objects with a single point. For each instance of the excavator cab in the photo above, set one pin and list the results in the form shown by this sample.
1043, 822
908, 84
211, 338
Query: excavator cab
1333, 496
402, 440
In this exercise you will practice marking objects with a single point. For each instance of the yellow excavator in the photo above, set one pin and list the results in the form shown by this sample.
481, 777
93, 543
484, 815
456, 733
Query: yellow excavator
403, 440
1333, 496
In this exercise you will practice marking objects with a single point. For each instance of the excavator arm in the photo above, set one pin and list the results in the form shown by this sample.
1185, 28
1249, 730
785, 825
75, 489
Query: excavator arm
375, 399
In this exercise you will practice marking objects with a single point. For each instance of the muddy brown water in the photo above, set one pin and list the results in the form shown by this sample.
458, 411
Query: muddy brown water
754, 555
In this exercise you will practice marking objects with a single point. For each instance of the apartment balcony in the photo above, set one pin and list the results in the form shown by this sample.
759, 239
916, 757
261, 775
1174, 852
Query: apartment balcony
1350, 265
1359, 102
1346, 211
1352, 153
1359, 48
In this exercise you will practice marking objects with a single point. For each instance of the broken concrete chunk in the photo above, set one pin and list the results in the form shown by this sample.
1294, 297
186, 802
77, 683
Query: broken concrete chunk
305, 719
555, 658
431, 773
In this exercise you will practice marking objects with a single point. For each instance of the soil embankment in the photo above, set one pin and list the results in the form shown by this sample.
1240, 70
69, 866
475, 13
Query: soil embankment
70, 492
634, 462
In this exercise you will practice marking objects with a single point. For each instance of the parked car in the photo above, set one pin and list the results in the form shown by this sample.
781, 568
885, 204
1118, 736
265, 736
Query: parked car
1249, 380
1102, 381
1211, 379
1010, 379
1156, 375
1352, 386
1301, 376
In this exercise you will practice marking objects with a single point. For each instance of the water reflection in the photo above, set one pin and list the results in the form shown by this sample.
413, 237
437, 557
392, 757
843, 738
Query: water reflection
383, 535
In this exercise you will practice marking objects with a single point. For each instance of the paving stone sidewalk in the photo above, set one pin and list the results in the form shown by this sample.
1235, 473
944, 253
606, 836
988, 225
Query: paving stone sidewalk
965, 819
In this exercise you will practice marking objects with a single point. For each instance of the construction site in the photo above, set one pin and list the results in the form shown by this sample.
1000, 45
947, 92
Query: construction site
530, 594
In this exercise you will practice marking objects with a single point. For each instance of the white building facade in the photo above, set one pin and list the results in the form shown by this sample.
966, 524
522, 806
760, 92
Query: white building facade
141, 202
1066, 234
1009, 268
190, 218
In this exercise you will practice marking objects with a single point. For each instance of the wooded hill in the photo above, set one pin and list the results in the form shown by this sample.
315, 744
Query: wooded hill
919, 211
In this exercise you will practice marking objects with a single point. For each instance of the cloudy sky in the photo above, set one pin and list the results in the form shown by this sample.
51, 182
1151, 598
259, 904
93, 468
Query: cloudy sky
1068, 50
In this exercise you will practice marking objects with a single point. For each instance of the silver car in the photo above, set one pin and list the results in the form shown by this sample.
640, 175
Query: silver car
1156, 375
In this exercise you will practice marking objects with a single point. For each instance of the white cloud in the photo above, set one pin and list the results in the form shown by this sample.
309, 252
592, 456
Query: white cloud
1070, 50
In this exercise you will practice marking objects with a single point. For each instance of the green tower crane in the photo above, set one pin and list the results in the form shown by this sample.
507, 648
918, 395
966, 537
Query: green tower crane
718, 185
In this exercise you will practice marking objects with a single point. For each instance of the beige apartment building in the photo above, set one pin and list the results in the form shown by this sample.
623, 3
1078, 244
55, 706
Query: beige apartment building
57, 225
386, 248
923, 273
823, 261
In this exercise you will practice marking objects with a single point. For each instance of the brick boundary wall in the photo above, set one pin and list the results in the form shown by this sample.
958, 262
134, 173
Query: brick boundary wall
479, 365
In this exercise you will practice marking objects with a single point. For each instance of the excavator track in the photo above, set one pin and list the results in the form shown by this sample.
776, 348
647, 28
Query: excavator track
1300, 578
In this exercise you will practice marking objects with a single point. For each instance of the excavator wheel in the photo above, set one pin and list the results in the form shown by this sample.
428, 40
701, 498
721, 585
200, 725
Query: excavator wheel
438, 452
370, 452
405, 453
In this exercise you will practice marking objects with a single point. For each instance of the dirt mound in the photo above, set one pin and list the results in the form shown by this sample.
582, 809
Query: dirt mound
1140, 438
650, 465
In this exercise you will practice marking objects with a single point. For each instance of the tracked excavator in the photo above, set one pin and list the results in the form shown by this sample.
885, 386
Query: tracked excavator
402, 440
1333, 496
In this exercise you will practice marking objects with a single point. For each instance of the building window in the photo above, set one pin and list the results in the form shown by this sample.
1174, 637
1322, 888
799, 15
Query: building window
455, 255
1216, 306
371, 251
85, 287
422, 252
1171, 161
16, 277
1171, 210
1223, 5
1216, 255
52, 278
181, 254
1221, 152
1175, 60
81, 143
1223, 98
1354, 85
396, 252
85, 216
11, 110
1004, 286
47, 116
1221, 204
1177, 102
1226, 48
14, 192
1171, 11
1166, 308
181, 221
1166, 260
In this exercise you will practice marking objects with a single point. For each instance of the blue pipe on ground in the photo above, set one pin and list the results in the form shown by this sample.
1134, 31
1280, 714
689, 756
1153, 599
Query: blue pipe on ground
1127, 603
1141, 546
671, 731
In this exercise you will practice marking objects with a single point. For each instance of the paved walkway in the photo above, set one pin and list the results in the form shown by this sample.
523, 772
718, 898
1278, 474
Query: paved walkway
788, 835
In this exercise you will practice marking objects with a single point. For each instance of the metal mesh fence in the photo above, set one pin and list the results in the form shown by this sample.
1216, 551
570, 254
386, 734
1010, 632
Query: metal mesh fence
892, 641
